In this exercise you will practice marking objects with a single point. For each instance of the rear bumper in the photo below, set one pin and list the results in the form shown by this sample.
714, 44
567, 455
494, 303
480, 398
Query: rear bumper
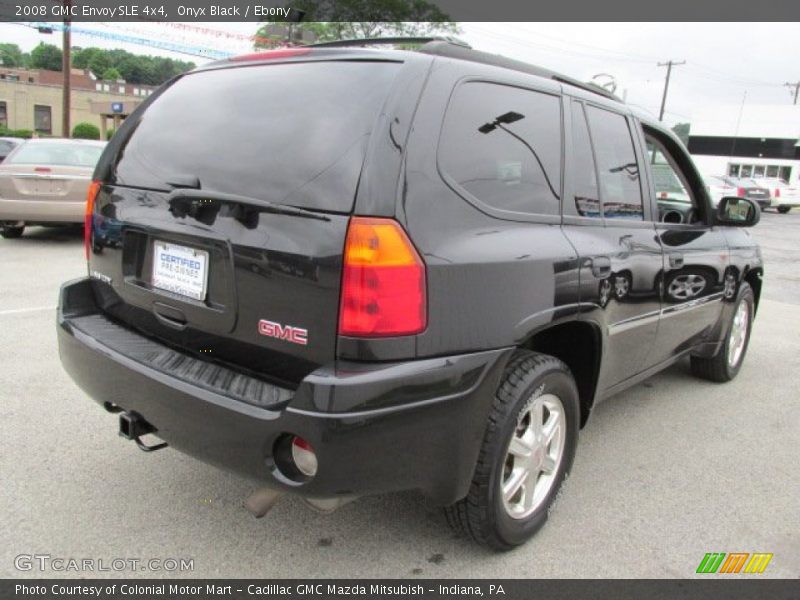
41, 211
375, 427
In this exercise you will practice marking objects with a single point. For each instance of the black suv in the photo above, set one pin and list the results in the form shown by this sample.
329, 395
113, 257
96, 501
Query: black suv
345, 271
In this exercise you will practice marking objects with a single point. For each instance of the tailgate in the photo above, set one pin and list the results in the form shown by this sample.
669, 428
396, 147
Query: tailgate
222, 279
221, 223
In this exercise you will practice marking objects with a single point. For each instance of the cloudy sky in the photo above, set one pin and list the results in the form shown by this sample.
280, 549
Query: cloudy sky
726, 63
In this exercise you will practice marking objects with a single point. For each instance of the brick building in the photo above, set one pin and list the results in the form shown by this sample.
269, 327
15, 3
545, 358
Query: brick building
32, 99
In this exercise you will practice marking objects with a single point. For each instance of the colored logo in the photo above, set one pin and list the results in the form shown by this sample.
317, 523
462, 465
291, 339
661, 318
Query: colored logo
735, 562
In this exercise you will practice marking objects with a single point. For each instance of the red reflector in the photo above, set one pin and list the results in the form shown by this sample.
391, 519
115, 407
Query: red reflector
42, 169
270, 54
383, 284
91, 195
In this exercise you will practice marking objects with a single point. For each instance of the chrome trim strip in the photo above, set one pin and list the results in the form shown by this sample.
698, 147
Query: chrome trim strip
655, 315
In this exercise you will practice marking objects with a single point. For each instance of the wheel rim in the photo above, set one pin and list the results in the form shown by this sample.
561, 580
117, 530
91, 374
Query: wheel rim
533, 456
738, 336
686, 286
621, 286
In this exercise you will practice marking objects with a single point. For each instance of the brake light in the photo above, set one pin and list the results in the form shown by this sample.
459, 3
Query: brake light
269, 54
740, 192
777, 192
91, 195
383, 283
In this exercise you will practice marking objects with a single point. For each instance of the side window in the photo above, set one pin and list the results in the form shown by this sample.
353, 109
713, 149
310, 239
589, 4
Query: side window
620, 187
676, 201
587, 198
502, 145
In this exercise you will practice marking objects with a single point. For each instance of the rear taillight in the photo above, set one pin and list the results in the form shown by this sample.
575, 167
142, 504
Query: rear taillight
383, 283
740, 192
777, 192
91, 195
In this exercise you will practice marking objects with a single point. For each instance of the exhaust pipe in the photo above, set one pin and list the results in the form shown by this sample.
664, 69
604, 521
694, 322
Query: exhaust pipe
132, 426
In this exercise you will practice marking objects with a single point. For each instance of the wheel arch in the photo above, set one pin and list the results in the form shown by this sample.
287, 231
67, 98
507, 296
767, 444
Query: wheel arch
579, 345
753, 277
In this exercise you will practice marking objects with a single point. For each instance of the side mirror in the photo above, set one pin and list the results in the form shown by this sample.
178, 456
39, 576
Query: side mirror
738, 212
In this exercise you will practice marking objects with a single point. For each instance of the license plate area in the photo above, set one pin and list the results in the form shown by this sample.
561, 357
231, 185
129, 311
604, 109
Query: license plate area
179, 269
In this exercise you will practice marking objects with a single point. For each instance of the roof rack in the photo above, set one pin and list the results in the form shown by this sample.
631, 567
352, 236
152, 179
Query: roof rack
389, 41
450, 50
450, 47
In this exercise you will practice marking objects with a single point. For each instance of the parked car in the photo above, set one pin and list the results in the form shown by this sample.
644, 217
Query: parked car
45, 181
406, 270
784, 196
7, 144
719, 187
753, 189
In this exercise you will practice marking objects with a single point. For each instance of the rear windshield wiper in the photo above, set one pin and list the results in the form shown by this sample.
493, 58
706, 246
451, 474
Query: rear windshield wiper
184, 196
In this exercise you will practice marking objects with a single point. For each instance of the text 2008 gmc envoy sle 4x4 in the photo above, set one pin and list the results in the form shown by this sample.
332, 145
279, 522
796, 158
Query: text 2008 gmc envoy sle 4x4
345, 271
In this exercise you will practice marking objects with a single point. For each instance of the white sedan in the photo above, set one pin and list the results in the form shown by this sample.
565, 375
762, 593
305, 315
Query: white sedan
784, 196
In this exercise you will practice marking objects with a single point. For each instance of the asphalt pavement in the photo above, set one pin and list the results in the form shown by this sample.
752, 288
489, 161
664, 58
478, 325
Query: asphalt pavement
666, 471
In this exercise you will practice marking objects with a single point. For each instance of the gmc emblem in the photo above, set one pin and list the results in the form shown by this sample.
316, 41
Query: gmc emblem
292, 334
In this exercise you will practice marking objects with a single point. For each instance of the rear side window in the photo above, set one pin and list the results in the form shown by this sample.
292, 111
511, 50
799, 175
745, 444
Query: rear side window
502, 145
587, 197
288, 133
620, 187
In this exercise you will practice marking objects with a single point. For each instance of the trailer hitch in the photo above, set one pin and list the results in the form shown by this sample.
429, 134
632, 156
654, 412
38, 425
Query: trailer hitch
132, 427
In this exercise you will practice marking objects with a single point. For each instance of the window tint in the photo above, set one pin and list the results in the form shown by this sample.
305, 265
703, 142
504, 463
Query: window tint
587, 199
503, 145
288, 133
616, 163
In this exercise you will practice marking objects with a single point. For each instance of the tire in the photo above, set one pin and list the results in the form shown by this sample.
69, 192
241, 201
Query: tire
530, 380
725, 365
784, 209
10, 232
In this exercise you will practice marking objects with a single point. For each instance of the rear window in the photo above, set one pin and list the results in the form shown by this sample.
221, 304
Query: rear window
68, 155
293, 134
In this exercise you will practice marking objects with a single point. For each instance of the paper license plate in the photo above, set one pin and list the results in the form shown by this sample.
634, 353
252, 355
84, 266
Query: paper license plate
180, 269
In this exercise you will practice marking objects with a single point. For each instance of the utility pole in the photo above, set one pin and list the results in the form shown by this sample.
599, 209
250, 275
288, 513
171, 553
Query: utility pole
669, 64
66, 69
796, 86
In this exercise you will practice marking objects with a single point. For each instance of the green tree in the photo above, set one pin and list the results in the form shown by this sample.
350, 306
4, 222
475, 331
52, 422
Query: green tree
337, 19
82, 56
11, 55
46, 56
99, 64
86, 131
137, 69
682, 131
111, 74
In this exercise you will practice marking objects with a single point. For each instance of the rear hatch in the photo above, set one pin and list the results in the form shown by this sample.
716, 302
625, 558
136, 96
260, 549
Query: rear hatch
220, 225
49, 171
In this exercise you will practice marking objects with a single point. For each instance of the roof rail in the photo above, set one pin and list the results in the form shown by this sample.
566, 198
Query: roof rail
450, 50
388, 41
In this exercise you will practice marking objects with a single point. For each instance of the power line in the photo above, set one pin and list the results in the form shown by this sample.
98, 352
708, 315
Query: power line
669, 64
